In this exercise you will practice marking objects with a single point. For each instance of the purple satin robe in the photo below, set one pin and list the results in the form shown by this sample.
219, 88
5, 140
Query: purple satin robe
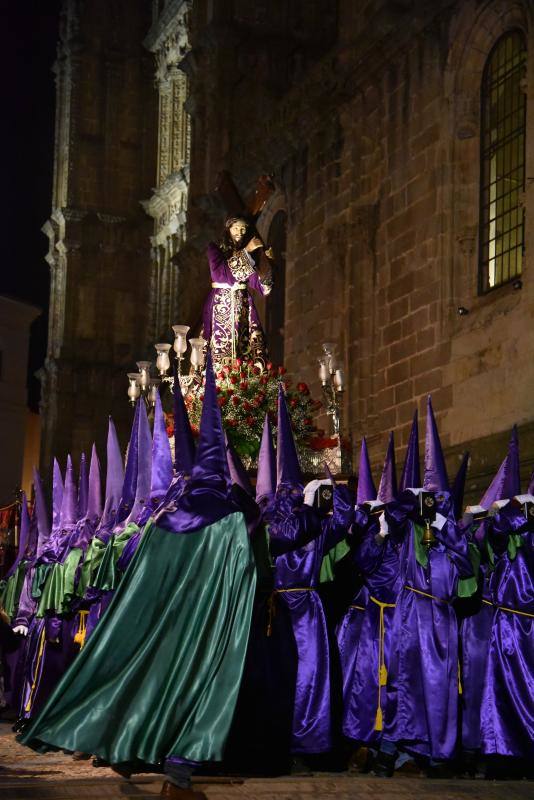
359, 635
231, 323
421, 711
298, 569
507, 716
475, 631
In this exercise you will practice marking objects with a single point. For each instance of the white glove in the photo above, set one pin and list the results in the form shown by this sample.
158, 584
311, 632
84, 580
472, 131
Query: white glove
384, 528
21, 629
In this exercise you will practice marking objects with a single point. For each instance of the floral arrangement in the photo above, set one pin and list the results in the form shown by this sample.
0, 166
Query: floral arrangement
246, 392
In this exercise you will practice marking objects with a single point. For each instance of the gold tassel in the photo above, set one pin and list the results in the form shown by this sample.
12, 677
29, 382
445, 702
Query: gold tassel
378, 720
79, 636
383, 675
460, 690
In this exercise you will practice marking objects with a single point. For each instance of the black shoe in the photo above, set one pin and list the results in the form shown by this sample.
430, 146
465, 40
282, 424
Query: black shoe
99, 762
441, 771
19, 725
299, 766
384, 765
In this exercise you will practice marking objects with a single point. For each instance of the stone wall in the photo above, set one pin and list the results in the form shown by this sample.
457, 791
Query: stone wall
99, 247
375, 145
367, 116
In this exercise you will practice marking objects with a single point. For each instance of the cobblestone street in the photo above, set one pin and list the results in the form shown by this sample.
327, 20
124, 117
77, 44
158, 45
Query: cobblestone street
28, 775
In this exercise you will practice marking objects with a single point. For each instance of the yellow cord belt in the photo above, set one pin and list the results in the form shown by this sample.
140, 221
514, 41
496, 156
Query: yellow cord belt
42, 642
439, 600
509, 610
80, 634
271, 607
382, 670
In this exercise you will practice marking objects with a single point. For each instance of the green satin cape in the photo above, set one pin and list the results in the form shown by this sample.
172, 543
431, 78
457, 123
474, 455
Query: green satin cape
160, 675
58, 590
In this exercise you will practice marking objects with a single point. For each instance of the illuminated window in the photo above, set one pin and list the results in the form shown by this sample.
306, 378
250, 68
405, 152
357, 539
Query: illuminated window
502, 162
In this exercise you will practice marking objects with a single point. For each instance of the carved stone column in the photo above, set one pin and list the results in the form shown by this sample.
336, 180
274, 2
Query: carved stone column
168, 39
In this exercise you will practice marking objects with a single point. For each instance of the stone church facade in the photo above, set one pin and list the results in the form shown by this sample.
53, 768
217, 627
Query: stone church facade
397, 134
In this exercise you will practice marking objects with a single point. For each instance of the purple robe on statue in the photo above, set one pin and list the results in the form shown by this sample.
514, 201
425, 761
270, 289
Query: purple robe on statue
421, 710
365, 634
296, 579
507, 716
230, 321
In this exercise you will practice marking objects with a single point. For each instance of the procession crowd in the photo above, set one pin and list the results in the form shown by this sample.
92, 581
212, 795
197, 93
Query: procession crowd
189, 620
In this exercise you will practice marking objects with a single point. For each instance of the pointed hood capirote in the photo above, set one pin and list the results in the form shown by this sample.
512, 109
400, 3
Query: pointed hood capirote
114, 478
506, 483
238, 473
210, 460
288, 473
94, 495
411, 473
388, 490
161, 456
266, 477
129, 484
435, 478
40, 513
458, 487
144, 465
69, 503
366, 487
206, 497
57, 496
83, 487
184, 445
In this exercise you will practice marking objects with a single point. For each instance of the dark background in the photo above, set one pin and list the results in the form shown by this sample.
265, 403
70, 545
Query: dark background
28, 50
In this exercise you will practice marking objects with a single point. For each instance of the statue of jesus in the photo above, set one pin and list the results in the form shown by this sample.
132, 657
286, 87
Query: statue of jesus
230, 321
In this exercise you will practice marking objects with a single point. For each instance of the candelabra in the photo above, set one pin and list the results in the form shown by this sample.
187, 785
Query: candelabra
333, 385
142, 384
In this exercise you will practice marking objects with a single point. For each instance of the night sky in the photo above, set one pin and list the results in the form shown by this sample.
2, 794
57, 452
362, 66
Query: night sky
29, 33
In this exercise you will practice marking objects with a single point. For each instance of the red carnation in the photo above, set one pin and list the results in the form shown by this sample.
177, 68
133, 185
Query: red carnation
282, 370
269, 365
303, 388
235, 400
308, 421
256, 371
233, 379
229, 391
238, 362
293, 402
222, 401
247, 406
263, 380
250, 421
243, 386
218, 389
201, 398
232, 423
220, 376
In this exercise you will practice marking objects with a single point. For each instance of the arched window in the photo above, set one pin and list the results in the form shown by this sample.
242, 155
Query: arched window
502, 162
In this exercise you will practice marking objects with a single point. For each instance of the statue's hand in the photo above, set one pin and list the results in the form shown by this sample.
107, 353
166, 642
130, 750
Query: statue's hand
21, 629
254, 244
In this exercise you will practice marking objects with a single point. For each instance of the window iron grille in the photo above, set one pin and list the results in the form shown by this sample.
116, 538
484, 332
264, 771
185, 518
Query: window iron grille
502, 163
